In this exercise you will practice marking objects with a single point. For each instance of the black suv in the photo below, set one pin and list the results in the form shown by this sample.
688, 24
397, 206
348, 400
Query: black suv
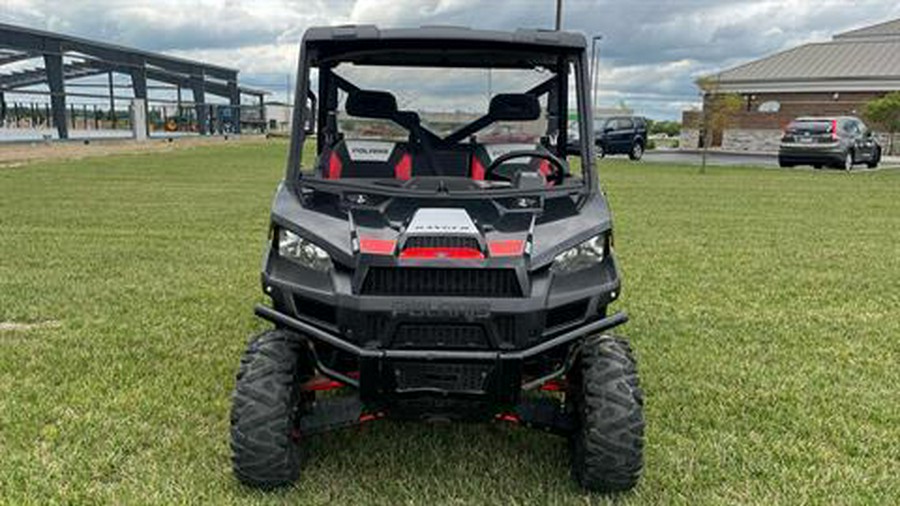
621, 135
839, 142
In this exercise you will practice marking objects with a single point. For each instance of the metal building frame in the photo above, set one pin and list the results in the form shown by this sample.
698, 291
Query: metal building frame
94, 58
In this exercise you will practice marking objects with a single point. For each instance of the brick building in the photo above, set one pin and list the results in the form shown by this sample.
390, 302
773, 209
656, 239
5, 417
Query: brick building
827, 78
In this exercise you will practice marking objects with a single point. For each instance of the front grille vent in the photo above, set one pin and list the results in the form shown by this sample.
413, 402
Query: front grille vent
447, 282
441, 241
446, 377
440, 336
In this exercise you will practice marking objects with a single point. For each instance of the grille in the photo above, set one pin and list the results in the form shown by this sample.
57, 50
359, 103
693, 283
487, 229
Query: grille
425, 281
449, 377
442, 241
566, 314
505, 326
440, 336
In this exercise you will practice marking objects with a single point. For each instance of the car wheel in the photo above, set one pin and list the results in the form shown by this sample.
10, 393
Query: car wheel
637, 151
848, 161
784, 165
601, 153
607, 405
268, 402
875, 159
817, 166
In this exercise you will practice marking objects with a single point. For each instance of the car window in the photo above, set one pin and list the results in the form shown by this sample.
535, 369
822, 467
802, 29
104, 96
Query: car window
624, 124
605, 123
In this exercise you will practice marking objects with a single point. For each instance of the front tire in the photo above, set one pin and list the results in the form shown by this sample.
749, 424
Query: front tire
266, 408
875, 159
637, 151
607, 445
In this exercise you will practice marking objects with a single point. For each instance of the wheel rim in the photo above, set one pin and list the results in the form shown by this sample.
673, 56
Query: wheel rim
637, 150
848, 162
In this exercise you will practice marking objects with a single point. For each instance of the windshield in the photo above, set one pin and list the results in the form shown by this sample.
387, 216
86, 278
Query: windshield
462, 128
814, 126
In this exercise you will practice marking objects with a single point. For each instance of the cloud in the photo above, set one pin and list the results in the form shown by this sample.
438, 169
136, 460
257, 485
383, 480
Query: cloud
651, 49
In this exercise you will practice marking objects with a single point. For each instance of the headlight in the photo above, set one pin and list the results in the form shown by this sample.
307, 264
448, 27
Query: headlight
586, 254
303, 252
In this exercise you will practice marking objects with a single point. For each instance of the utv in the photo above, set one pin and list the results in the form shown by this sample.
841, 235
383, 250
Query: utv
440, 258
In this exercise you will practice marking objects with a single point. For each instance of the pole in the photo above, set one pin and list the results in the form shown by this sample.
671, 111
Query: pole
112, 101
559, 15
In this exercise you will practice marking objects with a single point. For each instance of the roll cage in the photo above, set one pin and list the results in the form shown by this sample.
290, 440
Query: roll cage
441, 47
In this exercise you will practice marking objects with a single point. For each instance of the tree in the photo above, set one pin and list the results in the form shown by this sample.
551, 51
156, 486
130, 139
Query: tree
670, 128
718, 109
884, 113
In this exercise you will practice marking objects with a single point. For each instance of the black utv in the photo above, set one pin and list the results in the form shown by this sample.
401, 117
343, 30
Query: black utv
442, 257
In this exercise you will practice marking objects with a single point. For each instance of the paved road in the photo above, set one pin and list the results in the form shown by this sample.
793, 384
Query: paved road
731, 159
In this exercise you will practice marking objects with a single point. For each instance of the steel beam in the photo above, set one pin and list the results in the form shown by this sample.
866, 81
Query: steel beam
198, 89
53, 63
234, 99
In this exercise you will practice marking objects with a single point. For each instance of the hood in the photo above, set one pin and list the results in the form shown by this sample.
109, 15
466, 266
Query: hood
426, 231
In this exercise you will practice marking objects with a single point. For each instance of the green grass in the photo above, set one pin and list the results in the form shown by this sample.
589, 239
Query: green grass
765, 311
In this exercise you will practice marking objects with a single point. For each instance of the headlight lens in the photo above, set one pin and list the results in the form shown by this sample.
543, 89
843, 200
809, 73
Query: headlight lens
583, 256
303, 252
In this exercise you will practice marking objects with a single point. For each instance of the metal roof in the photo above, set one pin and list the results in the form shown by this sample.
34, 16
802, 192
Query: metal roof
886, 29
854, 61
447, 34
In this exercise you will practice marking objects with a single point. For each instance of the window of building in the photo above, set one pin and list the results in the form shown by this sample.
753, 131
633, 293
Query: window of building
769, 106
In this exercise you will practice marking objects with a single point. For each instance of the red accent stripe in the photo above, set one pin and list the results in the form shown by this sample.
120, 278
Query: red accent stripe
334, 167
403, 169
477, 169
506, 248
553, 386
508, 417
457, 253
374, 246
321, 384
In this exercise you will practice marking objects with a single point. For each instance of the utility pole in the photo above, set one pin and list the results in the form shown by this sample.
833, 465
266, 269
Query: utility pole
559, 15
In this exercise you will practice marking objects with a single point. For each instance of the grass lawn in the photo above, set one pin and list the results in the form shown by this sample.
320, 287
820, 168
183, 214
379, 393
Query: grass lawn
765, 311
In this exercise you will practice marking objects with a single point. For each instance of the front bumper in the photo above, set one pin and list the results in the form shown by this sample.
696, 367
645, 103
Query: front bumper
380, 378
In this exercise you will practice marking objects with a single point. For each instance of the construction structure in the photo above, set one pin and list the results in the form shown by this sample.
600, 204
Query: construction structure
31, 59
836, 77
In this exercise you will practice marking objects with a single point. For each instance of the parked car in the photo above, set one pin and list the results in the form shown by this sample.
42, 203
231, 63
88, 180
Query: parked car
840, 142
621, 135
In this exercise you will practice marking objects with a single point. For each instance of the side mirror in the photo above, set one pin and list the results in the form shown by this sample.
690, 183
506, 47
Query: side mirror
608, 129
371, 104
514, 107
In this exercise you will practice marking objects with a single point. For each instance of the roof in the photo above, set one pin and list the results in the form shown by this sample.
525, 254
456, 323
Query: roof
447, 34
441, 46
76, 43
886, 29
866, 59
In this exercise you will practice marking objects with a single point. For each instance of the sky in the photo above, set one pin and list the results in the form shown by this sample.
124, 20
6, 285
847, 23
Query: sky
651, 51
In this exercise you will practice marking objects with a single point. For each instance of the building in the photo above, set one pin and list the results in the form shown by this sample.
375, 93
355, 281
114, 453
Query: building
67, 83
836, 77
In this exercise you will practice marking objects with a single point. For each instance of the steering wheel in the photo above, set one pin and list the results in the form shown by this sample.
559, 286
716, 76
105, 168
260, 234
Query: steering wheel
556, 176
